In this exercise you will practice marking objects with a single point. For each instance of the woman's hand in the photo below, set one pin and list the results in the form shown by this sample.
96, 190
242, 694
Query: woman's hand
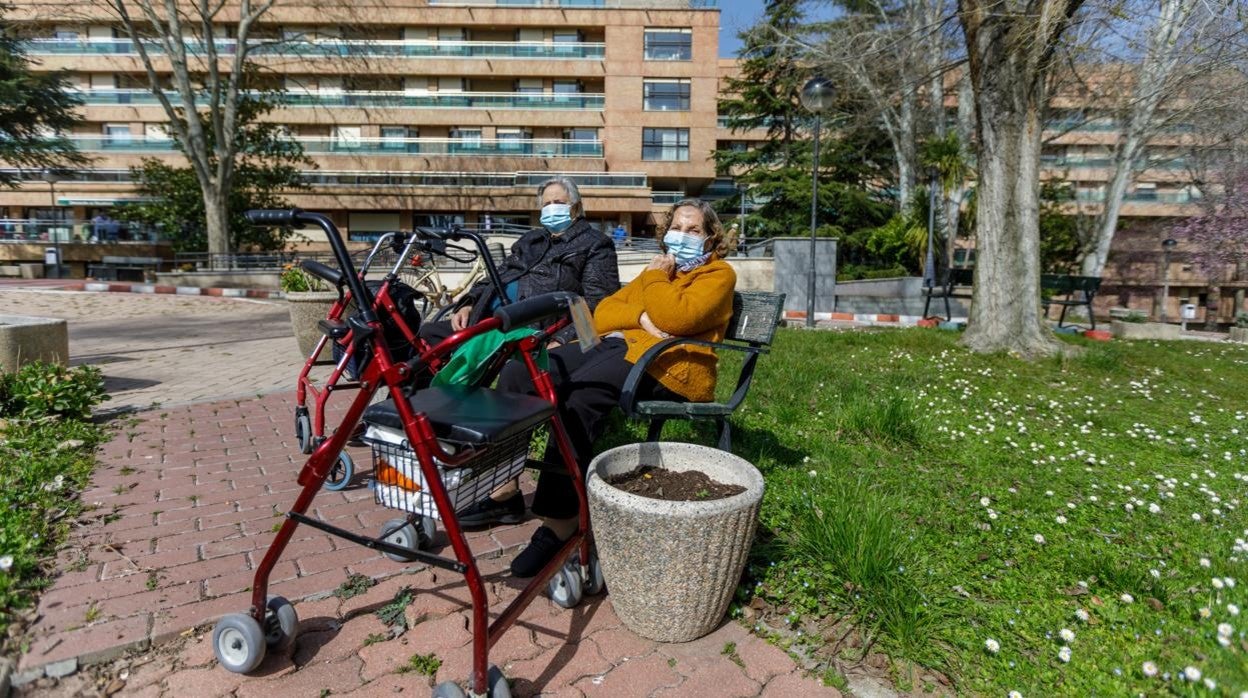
459, 320
648, 325
664, 263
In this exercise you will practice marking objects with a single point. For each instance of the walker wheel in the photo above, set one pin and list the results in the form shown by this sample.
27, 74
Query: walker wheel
402, 533
303, 430
282, 624
449, 689
340, 474
564, 587
595, 584
239, 643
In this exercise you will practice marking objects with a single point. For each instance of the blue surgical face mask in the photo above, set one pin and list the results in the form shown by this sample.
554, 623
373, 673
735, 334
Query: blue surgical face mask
556, 217
683, 246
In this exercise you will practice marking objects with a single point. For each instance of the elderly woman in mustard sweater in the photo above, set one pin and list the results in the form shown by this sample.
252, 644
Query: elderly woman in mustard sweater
686, 292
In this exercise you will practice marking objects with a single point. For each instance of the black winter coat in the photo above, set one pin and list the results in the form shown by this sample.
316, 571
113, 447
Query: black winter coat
581, 260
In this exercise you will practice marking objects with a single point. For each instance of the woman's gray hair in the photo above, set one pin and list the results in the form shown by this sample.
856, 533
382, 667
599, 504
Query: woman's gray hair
574, 194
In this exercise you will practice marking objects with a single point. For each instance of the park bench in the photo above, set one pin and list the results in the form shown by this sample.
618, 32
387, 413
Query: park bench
1059, 289
755, 316
1074, 291
112, 268
957, 284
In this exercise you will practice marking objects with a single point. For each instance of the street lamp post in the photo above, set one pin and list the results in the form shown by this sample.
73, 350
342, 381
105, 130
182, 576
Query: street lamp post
51, 177
929, 266
1166, 245
741, 236
817, 95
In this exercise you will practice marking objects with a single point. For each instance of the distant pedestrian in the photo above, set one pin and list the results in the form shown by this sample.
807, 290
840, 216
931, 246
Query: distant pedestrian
619, 234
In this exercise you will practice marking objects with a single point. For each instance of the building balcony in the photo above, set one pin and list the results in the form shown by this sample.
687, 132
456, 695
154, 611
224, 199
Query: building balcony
336, 49
369, 179
666, 198
388, 100
587, 4
498, 147
1061, 162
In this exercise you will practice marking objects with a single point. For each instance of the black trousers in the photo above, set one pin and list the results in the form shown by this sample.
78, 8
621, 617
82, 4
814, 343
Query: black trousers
588, 386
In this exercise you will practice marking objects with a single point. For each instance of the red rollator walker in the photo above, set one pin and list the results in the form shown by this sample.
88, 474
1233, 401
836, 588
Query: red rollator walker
436, 450
404, 305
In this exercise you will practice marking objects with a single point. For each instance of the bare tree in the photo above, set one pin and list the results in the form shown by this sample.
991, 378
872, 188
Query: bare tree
201, 80
1171, 50
1010, 52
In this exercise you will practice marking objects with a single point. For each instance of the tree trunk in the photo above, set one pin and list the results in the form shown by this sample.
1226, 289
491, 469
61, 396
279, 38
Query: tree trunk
217, 222
1009, 50
966, 138
907, 153
1212, 302
1095, 257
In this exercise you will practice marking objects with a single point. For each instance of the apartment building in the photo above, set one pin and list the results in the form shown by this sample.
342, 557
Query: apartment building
420, 113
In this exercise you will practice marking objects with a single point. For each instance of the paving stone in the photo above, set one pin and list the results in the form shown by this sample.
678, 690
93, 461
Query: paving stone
65, 667
637, 677
762, 659
794, 684
332, 645
208, 682
704, 677
558, 667
98, 642
620, 644
336, 677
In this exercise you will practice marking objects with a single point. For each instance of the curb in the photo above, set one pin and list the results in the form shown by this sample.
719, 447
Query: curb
104, 287
880, 319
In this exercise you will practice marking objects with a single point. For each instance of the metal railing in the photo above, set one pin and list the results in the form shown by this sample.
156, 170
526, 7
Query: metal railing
369, 178
1176, 163
383, 99
336, 48
588, 4
26, 230
489, 147
666, 197
1164, 197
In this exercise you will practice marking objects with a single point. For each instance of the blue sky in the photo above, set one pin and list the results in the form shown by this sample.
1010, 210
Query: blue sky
735, 15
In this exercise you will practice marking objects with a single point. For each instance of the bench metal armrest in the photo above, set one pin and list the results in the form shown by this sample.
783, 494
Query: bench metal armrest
628, 396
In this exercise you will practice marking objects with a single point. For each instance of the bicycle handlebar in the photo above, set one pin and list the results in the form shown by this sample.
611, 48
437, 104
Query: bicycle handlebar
455, 234
269, 216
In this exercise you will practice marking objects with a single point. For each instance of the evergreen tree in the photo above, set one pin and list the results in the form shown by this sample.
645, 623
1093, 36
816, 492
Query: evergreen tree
266, 164
854, 156
35, 109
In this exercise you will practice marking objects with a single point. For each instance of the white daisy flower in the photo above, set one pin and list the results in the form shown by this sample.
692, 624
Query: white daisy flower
1081, 614
1191, 673
1204, 562
1067, 635
6, 563
992, 645
1195, 517
1015, 694
984, 501
1154, 509
1149, 669
1211, 684
1038, 538
1229, 582
1061, 519
1232, 609
1205, 612
1127, 598
1064, 653
1218, 583
1225, 629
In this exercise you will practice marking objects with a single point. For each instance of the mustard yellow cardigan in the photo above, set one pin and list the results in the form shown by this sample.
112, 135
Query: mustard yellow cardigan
697, 304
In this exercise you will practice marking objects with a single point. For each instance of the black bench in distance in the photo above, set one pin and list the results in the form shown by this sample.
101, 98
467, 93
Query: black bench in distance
112, 268
755, 316
957, 284
1076, 291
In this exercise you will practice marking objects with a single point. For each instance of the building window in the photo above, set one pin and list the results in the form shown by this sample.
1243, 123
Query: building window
665, 144
566, 87
116, 135
666, 95
669, 44
531, 86
394, 138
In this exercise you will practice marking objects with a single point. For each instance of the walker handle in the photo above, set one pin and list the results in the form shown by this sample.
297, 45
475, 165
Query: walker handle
533, 309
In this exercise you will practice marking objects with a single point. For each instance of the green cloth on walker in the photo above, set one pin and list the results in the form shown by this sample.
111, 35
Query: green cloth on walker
470, 360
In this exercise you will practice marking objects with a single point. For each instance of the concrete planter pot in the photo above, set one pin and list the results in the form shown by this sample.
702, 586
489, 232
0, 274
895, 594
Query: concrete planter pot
1239, 334
1144, 330
307, 308
672, 567
24, 339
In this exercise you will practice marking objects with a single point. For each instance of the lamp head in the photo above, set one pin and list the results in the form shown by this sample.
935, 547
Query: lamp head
1169, 243
51, 176
818, 94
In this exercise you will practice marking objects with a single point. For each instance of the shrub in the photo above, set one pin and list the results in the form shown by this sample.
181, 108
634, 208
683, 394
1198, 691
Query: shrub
295, 279
1241, 320
38, 390
1136, 316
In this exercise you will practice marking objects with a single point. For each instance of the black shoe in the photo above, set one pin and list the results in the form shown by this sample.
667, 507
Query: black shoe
541, 548
488, 511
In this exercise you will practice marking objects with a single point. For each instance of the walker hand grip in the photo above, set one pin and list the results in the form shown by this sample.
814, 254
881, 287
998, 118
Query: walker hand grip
323, 271
531, 310
271, 216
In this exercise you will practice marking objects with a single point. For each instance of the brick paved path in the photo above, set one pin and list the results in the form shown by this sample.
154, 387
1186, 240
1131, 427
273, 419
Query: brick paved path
186, 499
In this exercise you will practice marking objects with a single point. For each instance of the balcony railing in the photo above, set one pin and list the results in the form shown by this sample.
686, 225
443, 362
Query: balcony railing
1176, 163
389, 100
496, 147
336, 48
363, 178
1104, 126
1162, 197
588, 4
666, 198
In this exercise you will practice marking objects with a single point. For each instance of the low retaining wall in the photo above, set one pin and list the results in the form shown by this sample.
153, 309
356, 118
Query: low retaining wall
902, 295
24, 339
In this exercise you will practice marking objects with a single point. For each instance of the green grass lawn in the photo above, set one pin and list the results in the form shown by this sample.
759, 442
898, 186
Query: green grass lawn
1062, 527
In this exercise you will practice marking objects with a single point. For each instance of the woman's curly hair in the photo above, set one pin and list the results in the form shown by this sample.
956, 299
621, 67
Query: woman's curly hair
716, 241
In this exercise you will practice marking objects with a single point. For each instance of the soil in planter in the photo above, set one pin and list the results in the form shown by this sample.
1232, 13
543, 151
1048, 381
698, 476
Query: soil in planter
670, 485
